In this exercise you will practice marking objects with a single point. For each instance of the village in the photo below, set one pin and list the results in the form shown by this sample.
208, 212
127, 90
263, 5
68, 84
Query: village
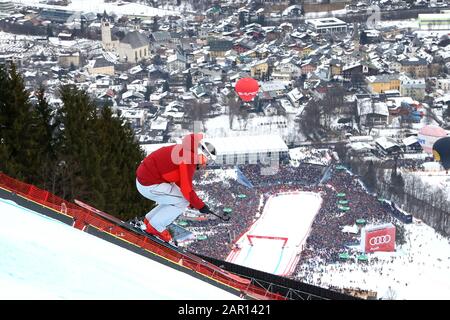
321, 79
351, 97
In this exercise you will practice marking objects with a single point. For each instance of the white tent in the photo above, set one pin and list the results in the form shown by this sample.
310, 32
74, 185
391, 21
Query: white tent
241, 149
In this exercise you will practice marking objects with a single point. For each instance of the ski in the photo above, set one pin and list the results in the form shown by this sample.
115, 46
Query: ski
124, 224
182, 251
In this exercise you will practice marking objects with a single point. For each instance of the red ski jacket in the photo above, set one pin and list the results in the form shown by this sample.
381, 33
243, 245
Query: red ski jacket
175, 164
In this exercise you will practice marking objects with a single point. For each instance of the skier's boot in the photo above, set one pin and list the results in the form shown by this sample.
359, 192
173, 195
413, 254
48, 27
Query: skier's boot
165, 235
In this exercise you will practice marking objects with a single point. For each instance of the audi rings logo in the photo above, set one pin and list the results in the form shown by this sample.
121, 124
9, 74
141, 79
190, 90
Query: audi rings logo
380, 240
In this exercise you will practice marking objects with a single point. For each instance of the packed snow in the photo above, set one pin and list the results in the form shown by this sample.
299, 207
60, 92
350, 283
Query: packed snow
281, 218
100, 6
436, 180
417, 270
42, 258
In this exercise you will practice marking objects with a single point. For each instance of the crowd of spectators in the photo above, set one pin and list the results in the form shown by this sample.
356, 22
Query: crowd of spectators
305, 174
326, 240
222, 235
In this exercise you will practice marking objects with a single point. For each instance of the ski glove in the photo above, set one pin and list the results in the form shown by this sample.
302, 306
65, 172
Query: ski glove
205, 209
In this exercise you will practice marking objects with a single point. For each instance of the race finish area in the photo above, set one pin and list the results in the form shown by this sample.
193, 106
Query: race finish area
274, 242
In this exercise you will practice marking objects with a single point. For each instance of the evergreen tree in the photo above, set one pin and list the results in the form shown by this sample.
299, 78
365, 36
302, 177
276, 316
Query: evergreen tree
242, 21
370, 178
188, 81
148, 91
155, 24
166, 86
49, 31
447, 113
4, 123
77, 148
397, 183
20, 154
76, 154
101, 156
47, 140
157, 60
262, 19
363, 37
120, 157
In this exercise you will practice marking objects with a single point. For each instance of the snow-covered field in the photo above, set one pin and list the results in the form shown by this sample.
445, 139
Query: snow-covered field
419, 269
99, 6
287, 215
313, 15
42, 258
401, 24
437, 180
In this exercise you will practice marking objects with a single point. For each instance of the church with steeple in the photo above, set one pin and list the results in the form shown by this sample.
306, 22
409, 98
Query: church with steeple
132, 48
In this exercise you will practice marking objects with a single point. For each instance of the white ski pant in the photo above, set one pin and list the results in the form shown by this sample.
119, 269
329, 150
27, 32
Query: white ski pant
170, 200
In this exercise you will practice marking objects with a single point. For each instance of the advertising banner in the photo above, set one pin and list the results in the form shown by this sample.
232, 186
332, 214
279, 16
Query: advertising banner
379, 238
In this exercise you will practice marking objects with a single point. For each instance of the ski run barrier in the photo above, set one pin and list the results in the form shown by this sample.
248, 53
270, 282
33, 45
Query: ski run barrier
242, 284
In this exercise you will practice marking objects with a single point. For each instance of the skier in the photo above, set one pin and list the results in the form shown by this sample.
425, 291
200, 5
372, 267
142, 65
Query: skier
165, 176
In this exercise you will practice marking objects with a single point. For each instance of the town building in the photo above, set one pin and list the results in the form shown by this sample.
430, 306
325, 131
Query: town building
265, 149
176, 62
416, 67
6, 7
102, 66
434, 21
259, 69
414, 88
133, 48
383, 82
218, 47
372, 113
443, 84
327, 25
69, 59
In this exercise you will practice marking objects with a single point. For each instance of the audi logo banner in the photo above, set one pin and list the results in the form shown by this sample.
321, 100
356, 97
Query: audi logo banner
379, 239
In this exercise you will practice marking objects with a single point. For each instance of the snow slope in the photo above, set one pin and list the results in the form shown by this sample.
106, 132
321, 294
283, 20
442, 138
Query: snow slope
99, 6
287, 215
42, 258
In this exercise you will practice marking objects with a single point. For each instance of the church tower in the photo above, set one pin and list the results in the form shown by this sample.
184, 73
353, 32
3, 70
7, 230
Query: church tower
106, 35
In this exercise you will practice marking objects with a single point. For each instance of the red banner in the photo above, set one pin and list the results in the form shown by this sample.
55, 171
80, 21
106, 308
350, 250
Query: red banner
380, 239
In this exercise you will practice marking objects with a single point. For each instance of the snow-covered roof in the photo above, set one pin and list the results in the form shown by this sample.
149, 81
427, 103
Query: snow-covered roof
361, 146
272, 86
386, 143
159, 124
295, 95
135, 69
361, 139
132, 113
248, 144
410, 140
365, 106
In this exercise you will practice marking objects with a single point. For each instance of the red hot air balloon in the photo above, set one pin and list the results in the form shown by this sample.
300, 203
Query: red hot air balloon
247, 88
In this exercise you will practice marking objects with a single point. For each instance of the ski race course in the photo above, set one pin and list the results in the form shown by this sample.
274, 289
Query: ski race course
278, 236
43, 258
